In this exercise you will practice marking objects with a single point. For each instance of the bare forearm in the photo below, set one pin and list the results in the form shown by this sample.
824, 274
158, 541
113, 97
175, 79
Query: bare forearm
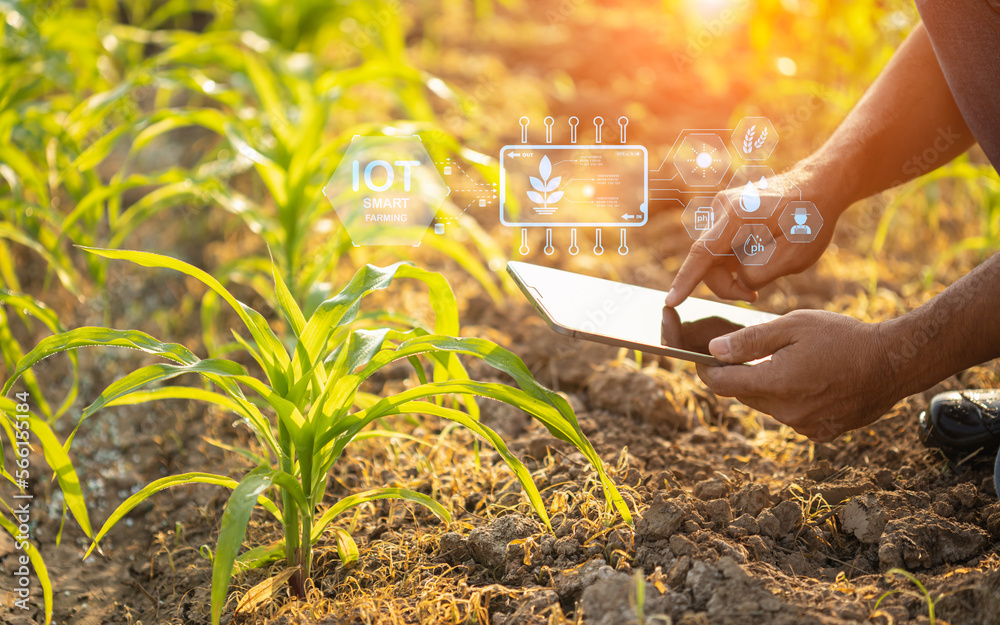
905, 125
957, 329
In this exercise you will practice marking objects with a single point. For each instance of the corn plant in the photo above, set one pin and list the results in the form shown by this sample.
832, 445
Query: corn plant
312, 391
23, 427
28, 423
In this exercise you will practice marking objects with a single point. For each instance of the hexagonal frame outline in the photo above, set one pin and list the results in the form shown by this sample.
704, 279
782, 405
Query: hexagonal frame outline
789, 208
741, 237
740, 131
739, 213
432, 206
721, 145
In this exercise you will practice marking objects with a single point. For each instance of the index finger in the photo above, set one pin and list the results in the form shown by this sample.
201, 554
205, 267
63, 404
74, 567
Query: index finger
703, 266
696, 265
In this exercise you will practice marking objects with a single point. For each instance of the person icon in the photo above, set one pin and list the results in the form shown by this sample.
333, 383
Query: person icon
800, 226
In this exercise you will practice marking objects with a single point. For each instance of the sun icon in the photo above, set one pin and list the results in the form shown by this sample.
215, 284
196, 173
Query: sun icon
704, 157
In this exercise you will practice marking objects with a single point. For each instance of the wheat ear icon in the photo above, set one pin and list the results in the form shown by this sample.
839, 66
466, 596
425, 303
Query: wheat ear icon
748, 139
760, 140
749, 144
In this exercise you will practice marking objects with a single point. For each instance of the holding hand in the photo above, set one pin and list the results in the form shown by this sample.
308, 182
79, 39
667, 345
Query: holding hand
828, 373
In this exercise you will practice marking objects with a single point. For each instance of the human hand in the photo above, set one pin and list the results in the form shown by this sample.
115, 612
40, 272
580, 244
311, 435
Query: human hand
711, 258
828, 373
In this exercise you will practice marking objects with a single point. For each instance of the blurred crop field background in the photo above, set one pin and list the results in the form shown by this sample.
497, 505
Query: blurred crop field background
204, 131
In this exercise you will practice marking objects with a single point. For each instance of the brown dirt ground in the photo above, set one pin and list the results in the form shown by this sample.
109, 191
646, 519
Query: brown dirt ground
737, 518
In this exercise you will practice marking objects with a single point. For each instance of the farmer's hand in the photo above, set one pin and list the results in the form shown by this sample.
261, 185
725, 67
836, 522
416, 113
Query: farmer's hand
828, 373
711, 258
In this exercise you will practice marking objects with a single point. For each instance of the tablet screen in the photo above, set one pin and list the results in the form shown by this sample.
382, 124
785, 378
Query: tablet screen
628, 315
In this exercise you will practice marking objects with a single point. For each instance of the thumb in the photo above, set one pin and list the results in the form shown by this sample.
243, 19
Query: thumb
751, 343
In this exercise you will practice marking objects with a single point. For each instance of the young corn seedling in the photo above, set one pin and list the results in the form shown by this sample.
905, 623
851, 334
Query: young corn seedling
311, 393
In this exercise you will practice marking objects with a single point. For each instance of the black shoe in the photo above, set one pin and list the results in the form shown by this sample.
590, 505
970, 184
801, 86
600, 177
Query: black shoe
996, 476
961, 422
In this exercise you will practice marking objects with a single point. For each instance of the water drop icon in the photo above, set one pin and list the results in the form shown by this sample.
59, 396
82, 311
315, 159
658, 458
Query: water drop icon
762, 184
750, 199
753, 245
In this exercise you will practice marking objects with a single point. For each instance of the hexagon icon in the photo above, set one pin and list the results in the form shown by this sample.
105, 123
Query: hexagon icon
754, 192
800, 221
753, 244
386, 190
702, 159
700, 216
754, 138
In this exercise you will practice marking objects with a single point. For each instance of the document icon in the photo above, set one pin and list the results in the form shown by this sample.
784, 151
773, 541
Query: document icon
704, 218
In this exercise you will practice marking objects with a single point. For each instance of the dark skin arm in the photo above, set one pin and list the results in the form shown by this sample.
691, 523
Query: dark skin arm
906, 111
829, 373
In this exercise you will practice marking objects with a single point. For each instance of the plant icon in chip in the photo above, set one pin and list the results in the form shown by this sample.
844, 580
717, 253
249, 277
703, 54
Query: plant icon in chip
545, 188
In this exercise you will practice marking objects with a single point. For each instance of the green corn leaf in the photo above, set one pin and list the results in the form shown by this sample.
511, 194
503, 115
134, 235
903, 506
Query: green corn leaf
90, 206
234, 400
57, 459
271, 349
371, 495
62, 467
287, 412
250, 349
441, 297
490, 436
256, 459
259, 556
158, 373
347, 549
89, 336
460, 254
41, 571
164, 121
266, 86
152, 374
62, 267
10, 354
270, 172
234, 527
549, 407
250, 413
337, 311
97, 151
30, 174
176, 392
167, 196
287, 303
168, 482
48, 317
390, 434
